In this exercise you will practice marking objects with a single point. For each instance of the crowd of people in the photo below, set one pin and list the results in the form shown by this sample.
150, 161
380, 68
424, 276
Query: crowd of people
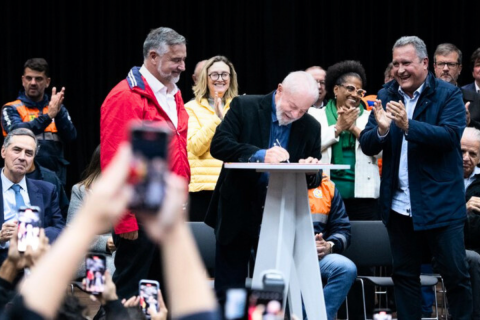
413, 151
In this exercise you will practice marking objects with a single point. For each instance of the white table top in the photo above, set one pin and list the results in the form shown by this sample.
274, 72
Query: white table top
285, 167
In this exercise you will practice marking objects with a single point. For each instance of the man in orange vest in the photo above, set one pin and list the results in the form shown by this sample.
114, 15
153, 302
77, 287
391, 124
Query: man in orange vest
332, 236
47, 118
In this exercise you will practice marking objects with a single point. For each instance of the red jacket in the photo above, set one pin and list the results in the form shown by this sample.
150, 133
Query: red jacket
133, 99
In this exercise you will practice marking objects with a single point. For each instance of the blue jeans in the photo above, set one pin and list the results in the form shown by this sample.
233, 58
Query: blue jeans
338, 275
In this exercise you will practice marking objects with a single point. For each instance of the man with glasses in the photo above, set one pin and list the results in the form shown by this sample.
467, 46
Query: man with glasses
447, 63
319, 75
148, 93
417, 122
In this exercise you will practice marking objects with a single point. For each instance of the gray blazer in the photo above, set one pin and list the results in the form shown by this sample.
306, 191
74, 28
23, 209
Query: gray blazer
99, 245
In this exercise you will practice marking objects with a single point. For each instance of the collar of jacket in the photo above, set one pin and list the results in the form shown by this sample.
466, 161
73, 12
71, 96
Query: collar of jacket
32, 104
430, 85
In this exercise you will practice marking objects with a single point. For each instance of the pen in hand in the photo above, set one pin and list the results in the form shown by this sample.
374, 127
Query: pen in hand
278, 144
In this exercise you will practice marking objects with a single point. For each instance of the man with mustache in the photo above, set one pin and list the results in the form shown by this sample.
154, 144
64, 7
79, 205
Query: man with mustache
447, 63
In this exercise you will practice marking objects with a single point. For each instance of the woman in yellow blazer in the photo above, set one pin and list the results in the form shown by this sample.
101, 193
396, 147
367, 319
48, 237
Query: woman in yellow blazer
215, 88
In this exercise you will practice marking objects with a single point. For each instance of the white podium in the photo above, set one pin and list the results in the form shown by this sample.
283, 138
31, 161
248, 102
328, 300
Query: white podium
286, 238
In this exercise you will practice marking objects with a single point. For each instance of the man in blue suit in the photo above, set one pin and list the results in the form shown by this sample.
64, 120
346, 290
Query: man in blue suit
418, 123
18, 152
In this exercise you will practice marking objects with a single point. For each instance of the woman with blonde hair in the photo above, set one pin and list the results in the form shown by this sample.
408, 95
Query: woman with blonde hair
214, 90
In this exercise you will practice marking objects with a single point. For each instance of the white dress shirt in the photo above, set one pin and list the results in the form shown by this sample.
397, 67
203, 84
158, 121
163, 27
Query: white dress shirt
165, 99
401, 198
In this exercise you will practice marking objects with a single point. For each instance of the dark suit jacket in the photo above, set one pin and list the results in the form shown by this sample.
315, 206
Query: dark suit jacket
435, 170
469, 87
244, 131
43, 195
474, 108
44, 174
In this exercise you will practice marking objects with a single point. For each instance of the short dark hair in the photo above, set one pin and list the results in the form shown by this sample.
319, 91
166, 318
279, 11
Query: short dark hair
475, 56
37, 64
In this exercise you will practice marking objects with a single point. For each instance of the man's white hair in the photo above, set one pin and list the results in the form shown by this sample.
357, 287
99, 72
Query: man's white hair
472, 133
301, 81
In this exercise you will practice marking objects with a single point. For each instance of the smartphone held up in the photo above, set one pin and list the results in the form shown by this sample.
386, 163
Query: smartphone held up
149, 141
95, 266
29, 225
148, 293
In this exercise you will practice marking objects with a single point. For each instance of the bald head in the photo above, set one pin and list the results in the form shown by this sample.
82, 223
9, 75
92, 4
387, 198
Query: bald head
319, 75
198, 69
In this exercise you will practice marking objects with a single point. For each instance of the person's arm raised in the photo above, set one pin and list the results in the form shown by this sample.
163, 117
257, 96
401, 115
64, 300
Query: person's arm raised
102, 207
188, 289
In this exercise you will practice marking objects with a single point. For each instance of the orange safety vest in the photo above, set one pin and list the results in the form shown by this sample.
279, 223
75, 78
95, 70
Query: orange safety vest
29, 114
320, 199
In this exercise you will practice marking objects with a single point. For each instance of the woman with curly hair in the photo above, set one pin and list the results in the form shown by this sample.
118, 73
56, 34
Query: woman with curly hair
342, 120
215, 88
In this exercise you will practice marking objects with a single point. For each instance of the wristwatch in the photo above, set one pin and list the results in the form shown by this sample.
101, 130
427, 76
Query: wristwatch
331, 246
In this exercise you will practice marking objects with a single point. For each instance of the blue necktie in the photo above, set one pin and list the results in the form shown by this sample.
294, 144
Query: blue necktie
18, 197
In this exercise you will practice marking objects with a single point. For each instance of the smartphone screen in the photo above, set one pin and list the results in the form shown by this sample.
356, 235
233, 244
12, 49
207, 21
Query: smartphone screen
95, 266
242, 304
28, 227
148, 293
149, 142
265, 304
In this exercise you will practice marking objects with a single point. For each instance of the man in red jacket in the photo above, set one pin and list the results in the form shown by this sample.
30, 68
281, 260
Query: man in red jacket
148, 93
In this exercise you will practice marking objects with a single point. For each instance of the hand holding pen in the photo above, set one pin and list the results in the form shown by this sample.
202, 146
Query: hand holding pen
277, 154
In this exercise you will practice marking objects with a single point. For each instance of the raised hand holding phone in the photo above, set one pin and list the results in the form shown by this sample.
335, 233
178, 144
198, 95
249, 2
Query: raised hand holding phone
29, 226
149, 141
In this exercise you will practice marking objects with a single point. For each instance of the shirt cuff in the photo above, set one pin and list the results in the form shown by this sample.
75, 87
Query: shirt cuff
382, 137
258, 156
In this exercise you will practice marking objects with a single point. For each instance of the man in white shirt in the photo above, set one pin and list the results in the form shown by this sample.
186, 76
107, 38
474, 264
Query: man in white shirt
18, 152
148, 93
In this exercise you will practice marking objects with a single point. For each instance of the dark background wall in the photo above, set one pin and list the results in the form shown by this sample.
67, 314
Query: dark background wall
91, 45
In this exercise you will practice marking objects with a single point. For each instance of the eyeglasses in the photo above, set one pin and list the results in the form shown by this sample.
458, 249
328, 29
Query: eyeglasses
215, 75
321, 82
442, 65
351, 89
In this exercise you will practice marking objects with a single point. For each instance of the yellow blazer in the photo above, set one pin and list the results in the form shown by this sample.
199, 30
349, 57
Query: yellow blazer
202, 123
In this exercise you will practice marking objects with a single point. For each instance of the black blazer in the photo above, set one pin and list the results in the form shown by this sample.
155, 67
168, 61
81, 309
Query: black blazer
245, 130
474, 108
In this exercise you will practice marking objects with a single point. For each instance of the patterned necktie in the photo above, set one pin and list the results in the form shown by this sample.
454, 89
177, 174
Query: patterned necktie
18, 197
